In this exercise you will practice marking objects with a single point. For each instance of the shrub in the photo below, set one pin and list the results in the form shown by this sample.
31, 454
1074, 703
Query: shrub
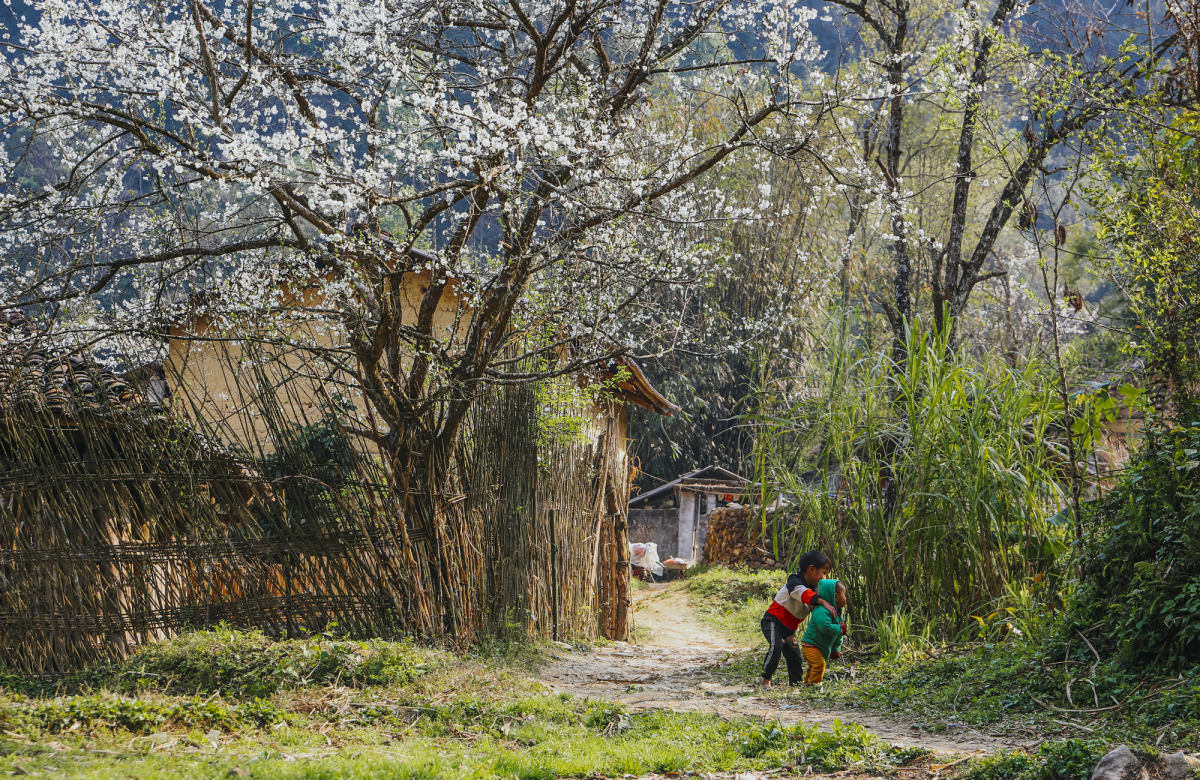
1141, 571
1003, 766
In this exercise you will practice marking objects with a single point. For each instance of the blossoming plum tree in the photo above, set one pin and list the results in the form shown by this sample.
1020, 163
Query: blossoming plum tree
157, 147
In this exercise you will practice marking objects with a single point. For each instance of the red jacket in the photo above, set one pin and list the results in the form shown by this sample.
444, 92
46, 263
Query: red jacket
792, 603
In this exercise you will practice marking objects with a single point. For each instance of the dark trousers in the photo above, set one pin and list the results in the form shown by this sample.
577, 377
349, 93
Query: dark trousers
775, 632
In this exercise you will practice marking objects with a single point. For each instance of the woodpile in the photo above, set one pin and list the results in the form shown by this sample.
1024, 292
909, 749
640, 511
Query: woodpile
728, 541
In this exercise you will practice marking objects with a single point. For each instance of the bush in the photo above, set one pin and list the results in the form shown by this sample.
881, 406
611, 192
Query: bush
1067, 759
1141, 571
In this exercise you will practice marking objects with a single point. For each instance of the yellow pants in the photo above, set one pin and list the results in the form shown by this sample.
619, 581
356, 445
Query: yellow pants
816, 665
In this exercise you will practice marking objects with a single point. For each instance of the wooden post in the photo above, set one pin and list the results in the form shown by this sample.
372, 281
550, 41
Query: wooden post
620, 564
555, 596
621, 595
613, 594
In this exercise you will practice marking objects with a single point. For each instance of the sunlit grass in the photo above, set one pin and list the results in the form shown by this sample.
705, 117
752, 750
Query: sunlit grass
733, 601
481, 715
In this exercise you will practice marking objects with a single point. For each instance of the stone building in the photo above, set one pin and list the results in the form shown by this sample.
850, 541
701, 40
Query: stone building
675, 515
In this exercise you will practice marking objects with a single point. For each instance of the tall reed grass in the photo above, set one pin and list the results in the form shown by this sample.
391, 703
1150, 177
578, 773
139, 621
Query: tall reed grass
929, 482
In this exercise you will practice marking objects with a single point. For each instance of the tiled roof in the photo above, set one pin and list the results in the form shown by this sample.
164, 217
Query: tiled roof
635, 388
34, 378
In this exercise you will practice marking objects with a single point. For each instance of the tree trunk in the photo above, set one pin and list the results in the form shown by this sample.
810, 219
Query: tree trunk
902, 279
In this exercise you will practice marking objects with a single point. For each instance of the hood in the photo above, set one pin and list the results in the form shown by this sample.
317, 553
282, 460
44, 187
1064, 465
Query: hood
826, 589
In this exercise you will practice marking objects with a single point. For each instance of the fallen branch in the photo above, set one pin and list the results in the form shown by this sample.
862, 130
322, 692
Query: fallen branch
1092, 671
1061, 709
1073, 725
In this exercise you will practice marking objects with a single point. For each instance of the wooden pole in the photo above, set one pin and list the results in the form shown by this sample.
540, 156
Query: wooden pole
620, 564
555, 596
611, 591
621, 596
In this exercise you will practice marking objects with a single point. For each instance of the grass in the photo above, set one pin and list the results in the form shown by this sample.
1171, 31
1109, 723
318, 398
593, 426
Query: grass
226, 703
1007, 687
966, 441
733, 600
535, 740
244, 664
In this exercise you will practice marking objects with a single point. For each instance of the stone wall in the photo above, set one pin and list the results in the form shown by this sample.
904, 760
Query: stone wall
660, 526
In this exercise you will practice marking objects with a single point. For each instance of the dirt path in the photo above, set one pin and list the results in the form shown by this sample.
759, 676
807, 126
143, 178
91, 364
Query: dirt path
675, 669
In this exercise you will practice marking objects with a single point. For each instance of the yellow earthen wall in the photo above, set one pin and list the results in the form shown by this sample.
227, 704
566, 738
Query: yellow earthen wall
211, 376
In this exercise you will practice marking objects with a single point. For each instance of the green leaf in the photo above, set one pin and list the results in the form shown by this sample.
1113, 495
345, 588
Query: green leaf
1061, 517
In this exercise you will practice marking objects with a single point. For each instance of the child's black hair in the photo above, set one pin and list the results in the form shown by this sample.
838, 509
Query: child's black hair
812, 558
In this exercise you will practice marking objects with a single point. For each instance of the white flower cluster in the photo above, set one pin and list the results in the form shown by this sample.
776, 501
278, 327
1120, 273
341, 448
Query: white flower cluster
157, 149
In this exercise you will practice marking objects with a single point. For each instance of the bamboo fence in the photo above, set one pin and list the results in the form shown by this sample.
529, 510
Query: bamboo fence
124, 519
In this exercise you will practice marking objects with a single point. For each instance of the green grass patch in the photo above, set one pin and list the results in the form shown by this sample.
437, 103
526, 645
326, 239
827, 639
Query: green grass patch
733, 601
369, 710
547, 738
246, 664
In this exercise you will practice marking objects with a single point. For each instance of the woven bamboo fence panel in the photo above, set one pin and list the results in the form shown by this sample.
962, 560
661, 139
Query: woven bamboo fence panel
247, 502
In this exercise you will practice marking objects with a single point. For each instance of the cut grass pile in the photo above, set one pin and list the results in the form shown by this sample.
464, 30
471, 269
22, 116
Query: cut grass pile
226, 703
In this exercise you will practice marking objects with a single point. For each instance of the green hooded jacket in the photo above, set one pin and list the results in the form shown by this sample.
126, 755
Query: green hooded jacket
824, 632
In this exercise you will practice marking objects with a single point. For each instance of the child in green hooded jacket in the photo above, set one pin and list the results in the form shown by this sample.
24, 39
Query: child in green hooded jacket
823, 638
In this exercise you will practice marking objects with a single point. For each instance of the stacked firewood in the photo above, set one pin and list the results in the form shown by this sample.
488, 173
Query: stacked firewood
728, 541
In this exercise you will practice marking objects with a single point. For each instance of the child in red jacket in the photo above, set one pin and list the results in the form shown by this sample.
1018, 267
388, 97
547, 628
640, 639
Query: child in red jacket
791, 605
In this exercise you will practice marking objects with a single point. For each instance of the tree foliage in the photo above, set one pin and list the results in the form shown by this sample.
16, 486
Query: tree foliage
1147, 201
